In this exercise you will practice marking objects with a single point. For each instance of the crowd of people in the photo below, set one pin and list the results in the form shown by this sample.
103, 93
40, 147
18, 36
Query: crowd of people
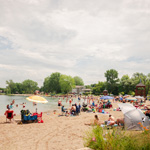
89, 104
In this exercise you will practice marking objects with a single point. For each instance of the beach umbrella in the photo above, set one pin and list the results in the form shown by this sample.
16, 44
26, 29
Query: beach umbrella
131, 98
139, 97
37, 99
133, 117
106, 97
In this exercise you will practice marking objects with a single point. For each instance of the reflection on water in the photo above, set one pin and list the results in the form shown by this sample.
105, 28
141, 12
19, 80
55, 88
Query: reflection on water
51, 105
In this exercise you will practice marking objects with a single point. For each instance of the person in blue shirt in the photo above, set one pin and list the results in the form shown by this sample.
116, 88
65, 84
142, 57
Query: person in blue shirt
93, 103
79, 107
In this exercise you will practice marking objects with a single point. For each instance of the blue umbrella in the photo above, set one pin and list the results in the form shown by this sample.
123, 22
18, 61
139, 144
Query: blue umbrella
106, 97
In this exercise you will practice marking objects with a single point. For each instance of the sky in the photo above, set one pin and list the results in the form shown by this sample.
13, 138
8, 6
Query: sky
82, 38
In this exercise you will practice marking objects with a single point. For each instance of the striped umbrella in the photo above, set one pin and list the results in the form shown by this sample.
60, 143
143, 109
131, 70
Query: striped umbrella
37, 99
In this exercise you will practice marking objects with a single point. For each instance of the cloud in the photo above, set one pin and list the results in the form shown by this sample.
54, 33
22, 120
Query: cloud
84, 38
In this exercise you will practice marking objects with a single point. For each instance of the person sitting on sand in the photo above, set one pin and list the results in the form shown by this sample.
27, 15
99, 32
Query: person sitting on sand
147, 113
73, 109
111, 120
120, 122
96, 121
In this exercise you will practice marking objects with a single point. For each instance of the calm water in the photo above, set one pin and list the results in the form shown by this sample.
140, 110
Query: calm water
51, 105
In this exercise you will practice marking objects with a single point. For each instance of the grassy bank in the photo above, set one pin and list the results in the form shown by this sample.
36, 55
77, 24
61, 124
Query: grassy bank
117, 139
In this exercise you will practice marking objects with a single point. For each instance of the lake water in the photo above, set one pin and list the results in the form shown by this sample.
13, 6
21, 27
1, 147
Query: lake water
51, 105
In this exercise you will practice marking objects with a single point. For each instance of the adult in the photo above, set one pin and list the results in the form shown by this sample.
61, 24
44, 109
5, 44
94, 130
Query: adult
73, 109
23, 105
111, 120
95, 122
120, 122
147, 113
70, 101
59, 103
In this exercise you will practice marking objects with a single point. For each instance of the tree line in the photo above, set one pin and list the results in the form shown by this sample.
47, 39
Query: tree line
55, 83
60, 83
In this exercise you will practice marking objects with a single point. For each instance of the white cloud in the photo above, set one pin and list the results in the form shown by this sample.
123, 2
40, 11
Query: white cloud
84, 38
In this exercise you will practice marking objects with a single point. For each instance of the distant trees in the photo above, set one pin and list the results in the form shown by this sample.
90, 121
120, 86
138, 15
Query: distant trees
61, 83
29, 86
66, 83
78, 81
98, 88
111, 81
26, 87
51, 83
56, 83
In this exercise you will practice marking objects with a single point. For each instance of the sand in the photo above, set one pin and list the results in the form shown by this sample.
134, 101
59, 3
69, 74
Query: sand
56, 133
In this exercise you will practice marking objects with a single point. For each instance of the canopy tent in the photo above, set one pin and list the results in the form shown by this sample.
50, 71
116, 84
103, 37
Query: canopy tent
133, 116
132, 119
126, 107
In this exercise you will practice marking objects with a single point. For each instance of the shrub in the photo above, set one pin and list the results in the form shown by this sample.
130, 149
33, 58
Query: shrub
116, 139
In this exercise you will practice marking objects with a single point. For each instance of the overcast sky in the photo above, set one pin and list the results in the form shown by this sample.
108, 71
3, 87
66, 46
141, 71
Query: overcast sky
74, 37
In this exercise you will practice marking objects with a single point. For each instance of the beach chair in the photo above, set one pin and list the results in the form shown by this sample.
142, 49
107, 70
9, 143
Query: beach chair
9, 114
39, 117
63, 110
27, 117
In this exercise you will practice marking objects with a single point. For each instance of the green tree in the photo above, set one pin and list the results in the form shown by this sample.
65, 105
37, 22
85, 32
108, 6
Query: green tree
126, 84
98, 88
29, 86
19, 88
46, 85
51, 83
54, 82
112, 81
11, 87
66, 83
78, 81
148, 84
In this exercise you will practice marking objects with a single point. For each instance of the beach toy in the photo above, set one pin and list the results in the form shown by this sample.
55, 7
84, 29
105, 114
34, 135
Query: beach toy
103, 111
100, 110
42, 121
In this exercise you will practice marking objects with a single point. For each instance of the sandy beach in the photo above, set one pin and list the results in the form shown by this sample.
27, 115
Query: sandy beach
56, 133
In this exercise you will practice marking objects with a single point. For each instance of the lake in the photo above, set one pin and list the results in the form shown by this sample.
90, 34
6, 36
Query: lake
51, 105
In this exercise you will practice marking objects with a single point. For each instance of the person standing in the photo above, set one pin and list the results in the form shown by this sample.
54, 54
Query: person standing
59, 103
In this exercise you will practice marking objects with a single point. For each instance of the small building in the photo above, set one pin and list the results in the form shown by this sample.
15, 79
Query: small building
86, 90
140, 90
80, 89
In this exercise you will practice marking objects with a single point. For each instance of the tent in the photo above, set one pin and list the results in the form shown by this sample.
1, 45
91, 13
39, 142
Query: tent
133, 116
